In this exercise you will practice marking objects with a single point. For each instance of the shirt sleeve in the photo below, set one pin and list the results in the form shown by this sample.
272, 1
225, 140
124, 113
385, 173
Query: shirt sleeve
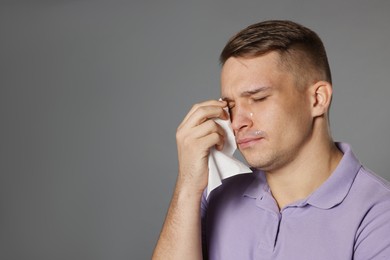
373, 235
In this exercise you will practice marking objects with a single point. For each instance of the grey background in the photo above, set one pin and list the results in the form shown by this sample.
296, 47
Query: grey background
91, 93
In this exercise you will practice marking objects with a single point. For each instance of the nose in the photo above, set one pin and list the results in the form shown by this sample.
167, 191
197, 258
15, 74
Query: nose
241, 118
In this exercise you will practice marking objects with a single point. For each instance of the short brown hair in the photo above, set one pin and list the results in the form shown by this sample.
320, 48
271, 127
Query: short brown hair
301, 50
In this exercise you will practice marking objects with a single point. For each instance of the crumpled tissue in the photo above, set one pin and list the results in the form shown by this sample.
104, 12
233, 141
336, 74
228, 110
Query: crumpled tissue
222, 164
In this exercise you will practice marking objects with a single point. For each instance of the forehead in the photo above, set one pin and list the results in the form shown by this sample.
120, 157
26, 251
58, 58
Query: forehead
240, 74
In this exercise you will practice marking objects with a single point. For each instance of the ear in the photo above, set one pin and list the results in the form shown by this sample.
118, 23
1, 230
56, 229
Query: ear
321, 97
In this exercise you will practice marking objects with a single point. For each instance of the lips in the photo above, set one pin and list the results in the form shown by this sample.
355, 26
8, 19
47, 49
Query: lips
246, 142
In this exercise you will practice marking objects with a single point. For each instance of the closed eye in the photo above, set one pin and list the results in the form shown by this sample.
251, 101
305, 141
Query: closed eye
258, 99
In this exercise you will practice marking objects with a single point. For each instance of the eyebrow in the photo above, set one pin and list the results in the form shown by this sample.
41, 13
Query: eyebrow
251, 92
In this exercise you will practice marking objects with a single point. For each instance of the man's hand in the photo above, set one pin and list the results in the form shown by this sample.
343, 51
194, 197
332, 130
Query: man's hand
195, 136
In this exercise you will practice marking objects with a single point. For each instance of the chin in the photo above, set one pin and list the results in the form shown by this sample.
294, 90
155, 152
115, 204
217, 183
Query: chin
255, 161
260, 161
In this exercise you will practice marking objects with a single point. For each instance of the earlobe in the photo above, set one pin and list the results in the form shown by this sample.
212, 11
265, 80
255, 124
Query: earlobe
321, 96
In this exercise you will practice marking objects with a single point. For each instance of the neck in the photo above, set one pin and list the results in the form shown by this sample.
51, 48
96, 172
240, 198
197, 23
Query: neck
312, 167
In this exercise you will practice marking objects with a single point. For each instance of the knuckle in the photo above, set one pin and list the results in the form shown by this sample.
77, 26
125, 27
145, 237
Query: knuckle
215, 136
201, 109
179, 132
210, 124
195, 107
181, 136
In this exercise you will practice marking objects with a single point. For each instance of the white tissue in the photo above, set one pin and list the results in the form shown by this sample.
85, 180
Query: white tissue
222, 164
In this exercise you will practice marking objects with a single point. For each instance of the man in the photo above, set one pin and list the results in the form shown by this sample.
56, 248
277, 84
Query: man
308, 197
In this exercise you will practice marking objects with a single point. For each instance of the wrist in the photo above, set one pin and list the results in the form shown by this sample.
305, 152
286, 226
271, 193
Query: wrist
188, 191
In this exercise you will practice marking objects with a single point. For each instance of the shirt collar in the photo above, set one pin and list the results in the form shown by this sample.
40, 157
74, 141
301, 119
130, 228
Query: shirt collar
258, 186
334, 190
331, 193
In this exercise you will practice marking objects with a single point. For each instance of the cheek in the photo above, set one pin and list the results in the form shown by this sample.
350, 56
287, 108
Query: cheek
274, 118
296, 122
284, 122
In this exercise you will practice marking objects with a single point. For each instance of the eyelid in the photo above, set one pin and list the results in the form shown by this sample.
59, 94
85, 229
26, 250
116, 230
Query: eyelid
259, 98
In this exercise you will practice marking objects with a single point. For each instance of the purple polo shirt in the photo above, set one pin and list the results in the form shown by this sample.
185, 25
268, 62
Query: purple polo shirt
347, 217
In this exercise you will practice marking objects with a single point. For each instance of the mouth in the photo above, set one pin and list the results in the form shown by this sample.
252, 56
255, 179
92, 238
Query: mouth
243, 143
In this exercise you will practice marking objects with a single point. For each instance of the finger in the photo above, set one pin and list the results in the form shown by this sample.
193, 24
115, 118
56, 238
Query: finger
204, 113
206, 128
211, 140
196, 107
191, 136
210, 128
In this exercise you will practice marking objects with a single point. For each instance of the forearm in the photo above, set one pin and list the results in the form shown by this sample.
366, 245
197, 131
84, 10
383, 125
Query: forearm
180, 237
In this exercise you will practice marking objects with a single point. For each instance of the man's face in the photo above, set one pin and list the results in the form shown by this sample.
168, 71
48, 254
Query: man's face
263, 97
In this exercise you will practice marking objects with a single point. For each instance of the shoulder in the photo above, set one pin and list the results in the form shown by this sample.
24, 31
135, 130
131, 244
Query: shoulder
372, 237
374, 178
371, 193
371, 186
